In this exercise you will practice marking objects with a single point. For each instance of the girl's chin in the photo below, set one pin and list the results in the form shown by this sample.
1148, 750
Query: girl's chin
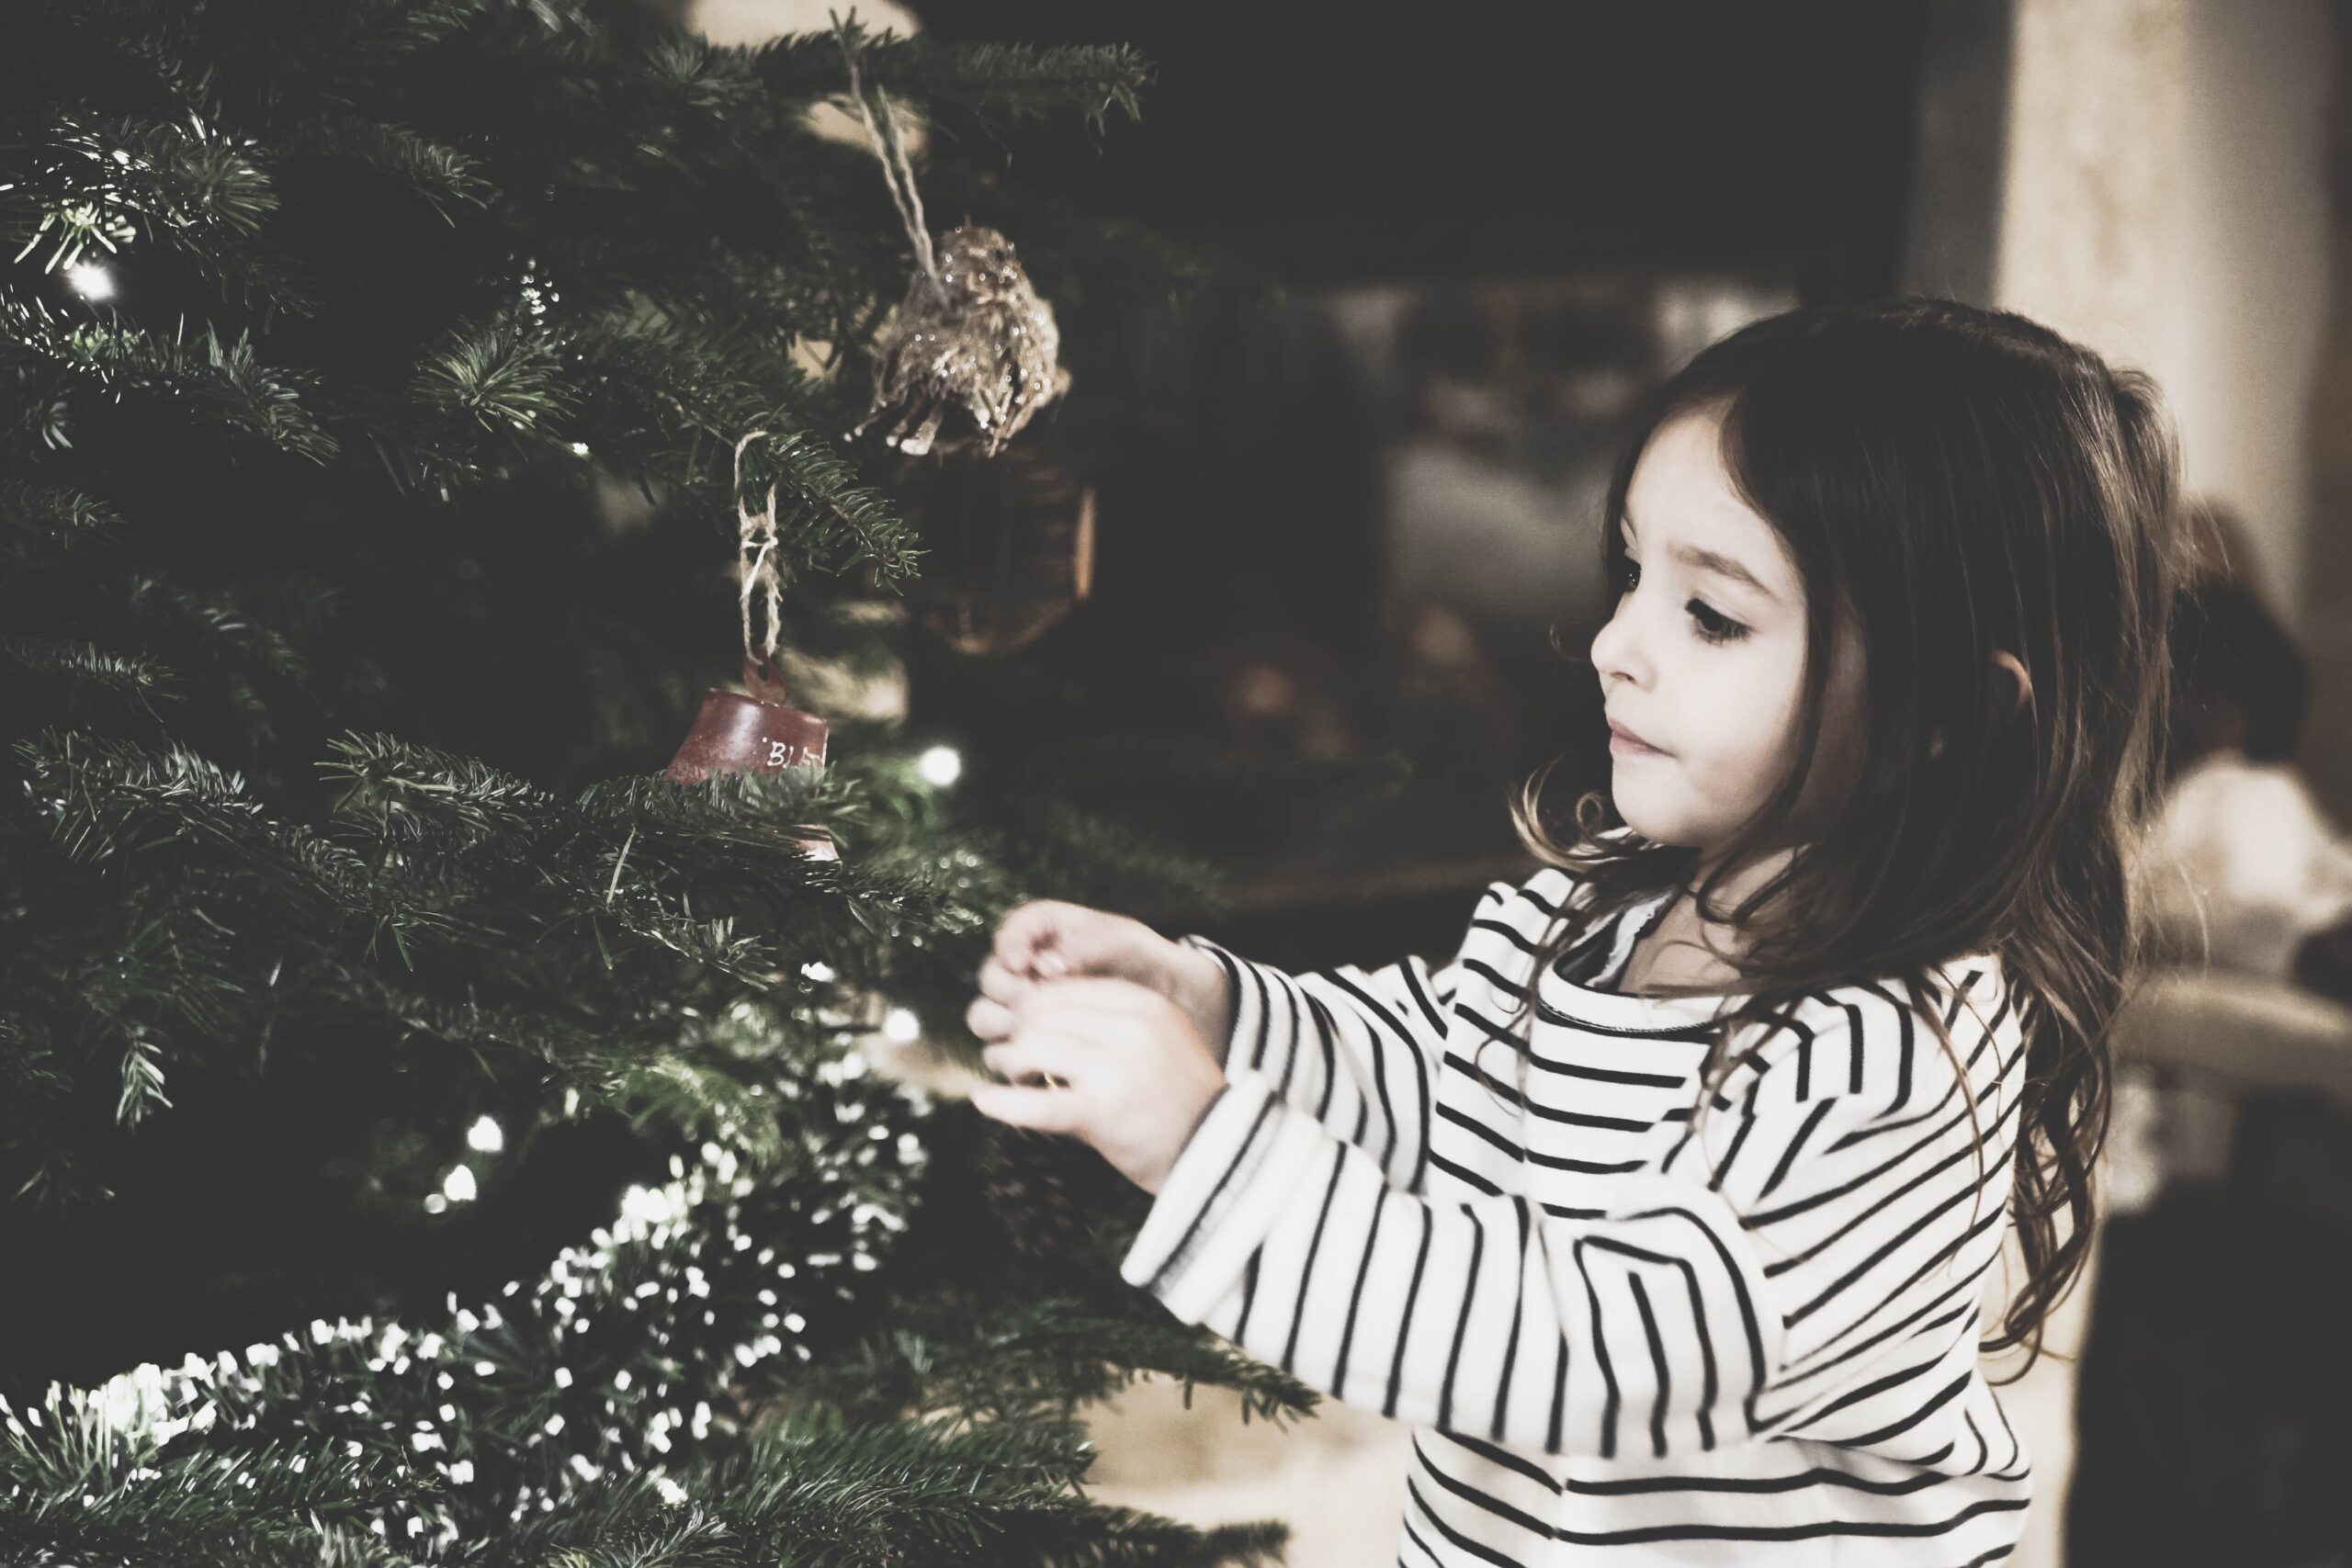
1658, 827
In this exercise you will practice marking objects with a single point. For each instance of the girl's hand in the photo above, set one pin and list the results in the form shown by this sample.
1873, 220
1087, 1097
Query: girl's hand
1047, 939
1137, 1076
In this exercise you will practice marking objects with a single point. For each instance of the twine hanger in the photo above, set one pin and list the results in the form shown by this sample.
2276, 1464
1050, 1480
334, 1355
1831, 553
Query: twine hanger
896, 171
756, 532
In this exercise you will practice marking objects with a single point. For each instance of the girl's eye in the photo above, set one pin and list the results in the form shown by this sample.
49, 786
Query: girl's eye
1712, 627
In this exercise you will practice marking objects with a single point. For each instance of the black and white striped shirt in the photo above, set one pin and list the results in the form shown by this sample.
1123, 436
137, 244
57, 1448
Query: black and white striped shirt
1616, 1341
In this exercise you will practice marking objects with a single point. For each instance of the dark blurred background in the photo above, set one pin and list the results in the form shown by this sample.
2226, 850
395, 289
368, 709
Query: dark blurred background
1356, 516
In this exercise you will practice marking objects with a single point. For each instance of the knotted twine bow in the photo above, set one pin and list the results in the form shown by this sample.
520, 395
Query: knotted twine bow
756, 550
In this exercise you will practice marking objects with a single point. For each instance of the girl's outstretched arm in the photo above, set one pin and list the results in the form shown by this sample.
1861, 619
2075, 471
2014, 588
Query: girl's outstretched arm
1356, 1049
1810, 1265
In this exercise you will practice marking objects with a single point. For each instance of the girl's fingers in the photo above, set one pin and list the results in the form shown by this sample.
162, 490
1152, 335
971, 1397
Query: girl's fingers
1021, 1059
1041, 1109
988, 1019
1086, 1000
999, 983
1084, 997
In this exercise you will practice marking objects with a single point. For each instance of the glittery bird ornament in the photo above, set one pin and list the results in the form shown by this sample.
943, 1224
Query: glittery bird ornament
974, 337
971, 334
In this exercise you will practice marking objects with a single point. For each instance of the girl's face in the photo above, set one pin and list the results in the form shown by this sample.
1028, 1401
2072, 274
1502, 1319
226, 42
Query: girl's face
1704, 656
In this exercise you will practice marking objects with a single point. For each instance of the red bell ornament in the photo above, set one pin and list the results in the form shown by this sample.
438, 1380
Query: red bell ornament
755, 731
758, 733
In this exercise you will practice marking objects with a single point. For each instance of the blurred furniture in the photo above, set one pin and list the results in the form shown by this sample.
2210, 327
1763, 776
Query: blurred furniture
2210, 1402
2205, 1038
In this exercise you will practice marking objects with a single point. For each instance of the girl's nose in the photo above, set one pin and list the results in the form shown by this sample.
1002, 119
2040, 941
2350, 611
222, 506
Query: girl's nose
1615, 656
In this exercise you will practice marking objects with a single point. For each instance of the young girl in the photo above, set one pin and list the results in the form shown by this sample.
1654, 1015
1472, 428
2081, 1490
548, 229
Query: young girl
1663, 1210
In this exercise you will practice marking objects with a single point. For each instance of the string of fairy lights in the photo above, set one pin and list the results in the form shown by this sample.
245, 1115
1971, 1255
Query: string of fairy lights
661, 1231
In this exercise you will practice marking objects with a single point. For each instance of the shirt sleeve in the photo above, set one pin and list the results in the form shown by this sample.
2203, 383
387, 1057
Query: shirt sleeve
1801, 1265
1355, 1049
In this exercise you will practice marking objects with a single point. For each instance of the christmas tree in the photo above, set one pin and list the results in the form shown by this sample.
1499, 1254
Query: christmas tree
428, 1134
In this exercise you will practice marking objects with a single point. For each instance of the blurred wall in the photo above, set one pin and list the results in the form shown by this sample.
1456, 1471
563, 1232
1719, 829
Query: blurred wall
2166, 202
2327, 621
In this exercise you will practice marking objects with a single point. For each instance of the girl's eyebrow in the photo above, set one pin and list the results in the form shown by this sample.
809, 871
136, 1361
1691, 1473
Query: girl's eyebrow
1709, 560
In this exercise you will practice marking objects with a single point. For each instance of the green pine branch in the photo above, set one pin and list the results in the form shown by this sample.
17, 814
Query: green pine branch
1003, 83
102, 798
52, 519
84, 680
113, 180
448, 180
223, 385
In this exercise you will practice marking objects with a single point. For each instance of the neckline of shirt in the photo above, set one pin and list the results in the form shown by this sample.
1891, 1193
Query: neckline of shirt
1628, 926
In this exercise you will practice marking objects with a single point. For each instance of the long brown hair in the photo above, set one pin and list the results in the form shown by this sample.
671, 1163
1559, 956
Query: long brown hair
1959, 481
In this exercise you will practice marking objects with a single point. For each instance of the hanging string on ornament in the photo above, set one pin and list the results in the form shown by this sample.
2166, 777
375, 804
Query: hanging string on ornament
755, 731
971, 338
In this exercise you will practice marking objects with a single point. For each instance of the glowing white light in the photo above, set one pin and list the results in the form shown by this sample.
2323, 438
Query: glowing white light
580, 448
901, 1025
643, 1207
459, 1185
90, 280
486, 1135
817, 971
941, 765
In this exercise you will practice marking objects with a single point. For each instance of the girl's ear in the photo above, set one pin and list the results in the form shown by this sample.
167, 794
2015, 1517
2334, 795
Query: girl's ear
2016, 667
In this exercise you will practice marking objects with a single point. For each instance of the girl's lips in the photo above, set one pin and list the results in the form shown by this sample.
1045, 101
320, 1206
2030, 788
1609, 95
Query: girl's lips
1623, 739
